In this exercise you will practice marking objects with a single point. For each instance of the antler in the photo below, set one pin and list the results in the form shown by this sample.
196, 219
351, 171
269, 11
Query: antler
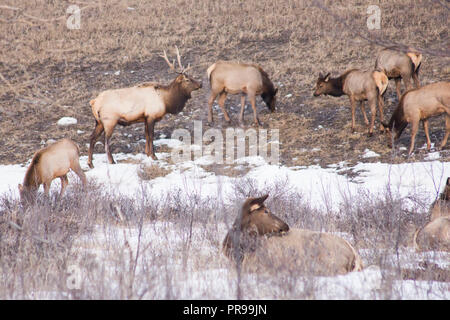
172, 66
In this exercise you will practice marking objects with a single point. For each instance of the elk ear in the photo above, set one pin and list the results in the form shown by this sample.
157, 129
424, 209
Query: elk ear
320, 75
20, 187
327, 77
256, 203
276, 90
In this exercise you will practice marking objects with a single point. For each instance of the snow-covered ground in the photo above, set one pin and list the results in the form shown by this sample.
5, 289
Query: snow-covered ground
324, 188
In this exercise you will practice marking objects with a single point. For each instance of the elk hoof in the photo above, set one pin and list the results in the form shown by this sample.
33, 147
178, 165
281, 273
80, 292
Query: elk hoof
90, 165
370, 134
153, 157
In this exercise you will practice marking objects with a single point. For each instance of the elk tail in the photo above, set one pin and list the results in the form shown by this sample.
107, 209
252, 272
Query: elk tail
416, 59
210, 70
381, 80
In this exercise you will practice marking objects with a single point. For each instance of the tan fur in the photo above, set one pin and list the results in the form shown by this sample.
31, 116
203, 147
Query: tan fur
359, 86
398, 65
250, 80
435, 235
306, 252
416, 58
263, 242
381, 81
419, 105
50, 163
147, 102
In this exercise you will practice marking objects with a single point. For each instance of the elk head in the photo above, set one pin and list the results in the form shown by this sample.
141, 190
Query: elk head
323, 85
270, 99
253, 221
186, 83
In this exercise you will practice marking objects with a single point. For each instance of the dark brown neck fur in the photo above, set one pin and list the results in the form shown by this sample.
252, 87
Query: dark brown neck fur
31, 179
337, 84
175, 97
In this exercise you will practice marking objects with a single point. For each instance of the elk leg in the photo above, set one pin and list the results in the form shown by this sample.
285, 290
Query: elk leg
425, 128
108, 134
79, 172
381, 107
363, 109
149, 134
447, 131
241, 115
64, 183
211, 99
373, 110
415, 76
47, 188
407, 80
252, 99
353, 106
222, 97
414, 129
398, 87
98, 130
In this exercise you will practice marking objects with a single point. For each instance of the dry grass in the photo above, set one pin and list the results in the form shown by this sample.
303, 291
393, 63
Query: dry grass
49, 71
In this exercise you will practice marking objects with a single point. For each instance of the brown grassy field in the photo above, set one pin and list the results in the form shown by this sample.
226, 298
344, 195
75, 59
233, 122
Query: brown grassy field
48, 71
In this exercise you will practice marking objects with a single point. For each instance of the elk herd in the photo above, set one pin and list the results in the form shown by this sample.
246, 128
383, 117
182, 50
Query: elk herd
259, 238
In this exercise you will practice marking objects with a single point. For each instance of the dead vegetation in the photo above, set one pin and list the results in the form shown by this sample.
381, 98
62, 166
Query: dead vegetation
48, 71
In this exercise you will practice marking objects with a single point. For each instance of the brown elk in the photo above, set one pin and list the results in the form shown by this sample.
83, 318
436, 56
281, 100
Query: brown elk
259, 239
419, 105
435, 235
398, 65
50, 163
147, 102
227, 77
358, 86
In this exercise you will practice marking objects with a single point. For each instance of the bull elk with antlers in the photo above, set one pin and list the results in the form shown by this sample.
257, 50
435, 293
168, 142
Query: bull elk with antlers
147, 102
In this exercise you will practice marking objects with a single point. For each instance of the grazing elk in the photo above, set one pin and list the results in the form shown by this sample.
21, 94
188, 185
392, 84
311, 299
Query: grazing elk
227, 77
419, 105
147, 102
50, 163
398, 65
435, 235
358, 86
259, 239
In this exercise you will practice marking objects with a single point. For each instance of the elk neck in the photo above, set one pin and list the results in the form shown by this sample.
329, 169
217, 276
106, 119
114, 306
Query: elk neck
174, 97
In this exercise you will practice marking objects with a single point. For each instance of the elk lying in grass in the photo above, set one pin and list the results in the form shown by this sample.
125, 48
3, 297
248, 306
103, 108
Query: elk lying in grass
227, 77
147, 102
398, 65
358, 86
419, 105
50, 163
435, 235
260, 240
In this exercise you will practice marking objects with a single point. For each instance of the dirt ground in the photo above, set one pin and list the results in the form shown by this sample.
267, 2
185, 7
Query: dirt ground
48, 71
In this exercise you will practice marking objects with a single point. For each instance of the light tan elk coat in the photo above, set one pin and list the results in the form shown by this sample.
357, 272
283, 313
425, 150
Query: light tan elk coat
359, 86
263, 242
419, 105
398, 65
50, 163
147, 102
435, 235
226, 77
